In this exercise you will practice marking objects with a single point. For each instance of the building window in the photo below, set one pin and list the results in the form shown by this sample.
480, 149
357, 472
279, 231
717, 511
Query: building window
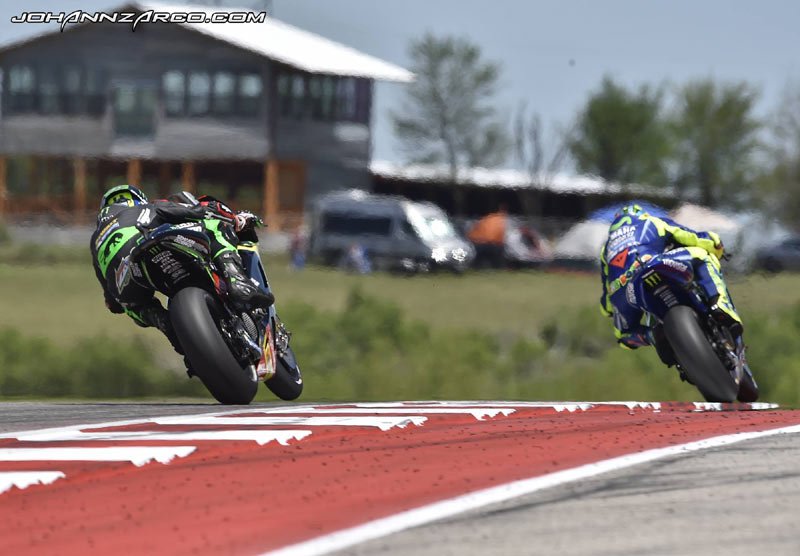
47, 87
363, 100
328, 98
322, 97
174, 85
21, 84
346, 99
250, 88
199, 93
284, 94
223, 93
72, 101
95, 90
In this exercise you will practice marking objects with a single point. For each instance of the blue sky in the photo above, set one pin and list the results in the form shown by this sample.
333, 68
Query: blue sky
634, 41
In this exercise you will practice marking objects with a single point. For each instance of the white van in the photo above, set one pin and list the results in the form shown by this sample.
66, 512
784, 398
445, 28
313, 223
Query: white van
397, 234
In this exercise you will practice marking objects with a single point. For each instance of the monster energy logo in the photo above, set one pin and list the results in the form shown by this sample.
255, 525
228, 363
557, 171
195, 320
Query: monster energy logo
652, 279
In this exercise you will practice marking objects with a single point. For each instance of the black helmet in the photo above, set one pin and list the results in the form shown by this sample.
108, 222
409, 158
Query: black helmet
123, 195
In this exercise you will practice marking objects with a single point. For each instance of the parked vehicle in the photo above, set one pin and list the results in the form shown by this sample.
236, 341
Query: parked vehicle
230, 351
785, 255
393, 232
686, 334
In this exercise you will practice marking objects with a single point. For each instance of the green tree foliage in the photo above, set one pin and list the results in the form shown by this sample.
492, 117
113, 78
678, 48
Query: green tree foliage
448, 115
716, 136
781, 181
621, 136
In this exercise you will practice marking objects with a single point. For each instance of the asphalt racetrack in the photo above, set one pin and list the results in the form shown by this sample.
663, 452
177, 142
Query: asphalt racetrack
461, 478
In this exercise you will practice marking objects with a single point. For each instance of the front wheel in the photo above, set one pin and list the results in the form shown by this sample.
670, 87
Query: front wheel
696, 356
194, 314
287, 382
748, 389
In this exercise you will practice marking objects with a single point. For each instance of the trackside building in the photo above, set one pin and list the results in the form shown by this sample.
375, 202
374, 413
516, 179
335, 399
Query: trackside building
264, 114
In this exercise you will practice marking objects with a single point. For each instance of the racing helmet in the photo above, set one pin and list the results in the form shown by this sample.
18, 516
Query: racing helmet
123, 195
633, 210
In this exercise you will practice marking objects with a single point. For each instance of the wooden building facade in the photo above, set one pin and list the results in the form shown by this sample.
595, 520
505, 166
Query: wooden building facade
265, 114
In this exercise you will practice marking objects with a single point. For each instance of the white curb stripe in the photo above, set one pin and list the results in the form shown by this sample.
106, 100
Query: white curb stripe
24, 479
137, 455
262, 437
453, 506
383, 423
478, 413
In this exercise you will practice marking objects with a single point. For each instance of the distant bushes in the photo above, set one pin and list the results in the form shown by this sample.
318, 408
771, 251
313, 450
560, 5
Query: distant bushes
35, 254
100, 367
372, 351
5, 235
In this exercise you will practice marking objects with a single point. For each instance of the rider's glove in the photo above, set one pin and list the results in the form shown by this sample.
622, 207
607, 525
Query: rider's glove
719, 249
247, 221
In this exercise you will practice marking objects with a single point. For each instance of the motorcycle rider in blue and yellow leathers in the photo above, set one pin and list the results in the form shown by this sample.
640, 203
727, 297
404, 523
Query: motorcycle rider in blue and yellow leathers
636, 236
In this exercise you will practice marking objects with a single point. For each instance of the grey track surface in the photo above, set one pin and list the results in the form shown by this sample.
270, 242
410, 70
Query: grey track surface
739, 500
19, 416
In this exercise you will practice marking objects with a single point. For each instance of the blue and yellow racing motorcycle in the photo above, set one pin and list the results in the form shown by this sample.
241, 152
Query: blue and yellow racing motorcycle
685, 333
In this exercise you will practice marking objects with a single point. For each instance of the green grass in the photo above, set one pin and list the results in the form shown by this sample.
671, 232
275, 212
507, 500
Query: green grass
523, 335
64, 302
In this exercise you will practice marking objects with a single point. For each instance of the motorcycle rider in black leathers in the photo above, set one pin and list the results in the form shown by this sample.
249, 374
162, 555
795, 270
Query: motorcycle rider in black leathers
125, 214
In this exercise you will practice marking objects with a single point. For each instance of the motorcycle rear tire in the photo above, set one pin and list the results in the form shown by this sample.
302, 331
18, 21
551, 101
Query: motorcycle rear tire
696, 356
192, 311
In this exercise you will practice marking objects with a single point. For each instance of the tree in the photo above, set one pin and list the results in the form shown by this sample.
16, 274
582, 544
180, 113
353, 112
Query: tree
622, 137
448, 115
716, 137
539, 160
781, 184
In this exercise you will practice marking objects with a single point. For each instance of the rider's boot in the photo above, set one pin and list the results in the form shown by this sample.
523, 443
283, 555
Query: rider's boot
720, 303
723, 312
243, 290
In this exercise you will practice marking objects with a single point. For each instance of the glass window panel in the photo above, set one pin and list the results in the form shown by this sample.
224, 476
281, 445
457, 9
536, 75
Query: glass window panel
284, 94
328, 97
174, 84
346, 97
298, 96
48, 91
199, 93
224, 89
250, 88
72, 99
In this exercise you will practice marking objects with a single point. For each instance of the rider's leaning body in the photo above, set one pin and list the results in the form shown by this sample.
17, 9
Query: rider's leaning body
126, 213
634, 237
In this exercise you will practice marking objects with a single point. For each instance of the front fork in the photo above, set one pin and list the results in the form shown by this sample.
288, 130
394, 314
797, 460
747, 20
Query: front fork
731, 351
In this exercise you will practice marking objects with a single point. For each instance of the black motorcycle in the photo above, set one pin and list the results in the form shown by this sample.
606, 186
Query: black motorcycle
230, 351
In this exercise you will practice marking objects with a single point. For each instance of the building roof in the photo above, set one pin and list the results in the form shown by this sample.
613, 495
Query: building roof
276, 40
510, 179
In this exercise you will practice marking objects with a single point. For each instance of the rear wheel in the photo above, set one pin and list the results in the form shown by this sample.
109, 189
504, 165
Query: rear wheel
194, 314
696, 356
